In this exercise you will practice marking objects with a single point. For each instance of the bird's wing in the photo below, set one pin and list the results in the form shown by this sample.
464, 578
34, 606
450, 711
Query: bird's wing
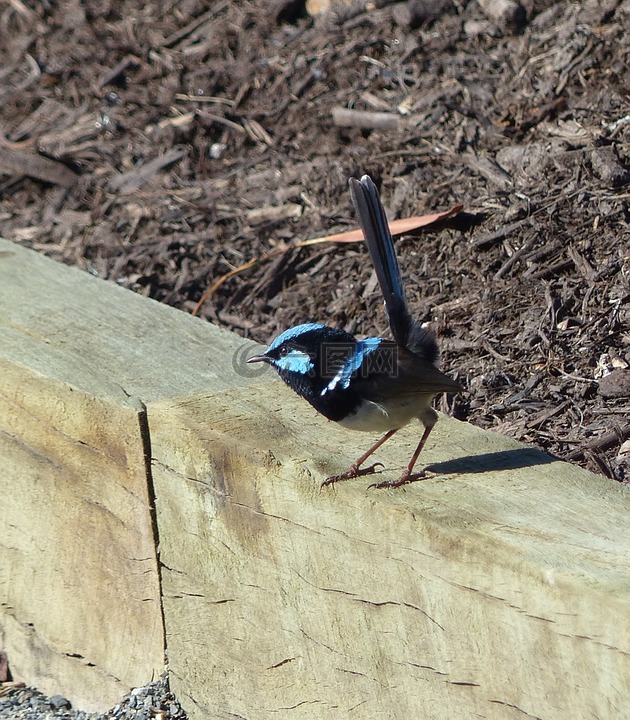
355, 364
373, 221
393, 371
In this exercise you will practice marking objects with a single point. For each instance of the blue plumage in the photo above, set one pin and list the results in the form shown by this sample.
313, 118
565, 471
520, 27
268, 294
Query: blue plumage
372, 384
297, 361
298, 358
357, 357
293, 333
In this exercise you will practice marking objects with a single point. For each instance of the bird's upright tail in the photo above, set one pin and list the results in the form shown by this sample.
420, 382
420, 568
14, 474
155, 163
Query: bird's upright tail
373, 221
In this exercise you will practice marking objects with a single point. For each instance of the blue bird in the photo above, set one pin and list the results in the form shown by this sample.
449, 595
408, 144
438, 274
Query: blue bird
374, 385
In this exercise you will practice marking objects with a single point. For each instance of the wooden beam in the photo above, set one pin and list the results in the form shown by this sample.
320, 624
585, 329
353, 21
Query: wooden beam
498, 588
80, 606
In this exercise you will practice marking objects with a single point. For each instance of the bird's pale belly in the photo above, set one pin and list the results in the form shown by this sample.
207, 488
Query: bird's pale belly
382, 417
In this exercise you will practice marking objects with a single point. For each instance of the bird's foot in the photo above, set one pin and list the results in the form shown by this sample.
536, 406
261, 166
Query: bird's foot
353, 471
404, 479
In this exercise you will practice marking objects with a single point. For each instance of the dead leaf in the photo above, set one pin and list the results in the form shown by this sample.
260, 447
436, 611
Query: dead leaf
404, 226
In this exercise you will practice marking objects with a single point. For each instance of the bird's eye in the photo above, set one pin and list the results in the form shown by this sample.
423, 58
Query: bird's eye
284, 350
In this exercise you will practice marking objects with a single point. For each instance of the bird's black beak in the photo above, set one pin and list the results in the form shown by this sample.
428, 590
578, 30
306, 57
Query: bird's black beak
257, 358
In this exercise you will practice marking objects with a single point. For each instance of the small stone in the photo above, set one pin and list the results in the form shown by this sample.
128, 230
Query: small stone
510, 16
59, 701
37, 700
216, 150
616, 384
606, 167
416, 13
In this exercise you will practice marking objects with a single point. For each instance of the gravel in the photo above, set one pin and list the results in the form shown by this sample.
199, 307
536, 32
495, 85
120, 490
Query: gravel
144, 703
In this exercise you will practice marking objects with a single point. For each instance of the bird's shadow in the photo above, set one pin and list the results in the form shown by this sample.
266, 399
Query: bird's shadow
487, 462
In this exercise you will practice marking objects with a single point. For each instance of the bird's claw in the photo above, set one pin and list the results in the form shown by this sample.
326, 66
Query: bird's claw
404, 479
352, 472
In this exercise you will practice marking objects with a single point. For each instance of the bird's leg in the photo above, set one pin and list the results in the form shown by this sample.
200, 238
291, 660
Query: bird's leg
355, 469
408, 474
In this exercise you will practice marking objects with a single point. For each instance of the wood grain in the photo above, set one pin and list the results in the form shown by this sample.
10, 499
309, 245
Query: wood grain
80, 606
497, 587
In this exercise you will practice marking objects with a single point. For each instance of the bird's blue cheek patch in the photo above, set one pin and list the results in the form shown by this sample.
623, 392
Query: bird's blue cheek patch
296, 361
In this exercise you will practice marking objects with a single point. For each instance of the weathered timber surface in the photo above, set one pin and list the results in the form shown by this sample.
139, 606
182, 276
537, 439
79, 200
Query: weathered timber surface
80, 609
499, 588
79, 591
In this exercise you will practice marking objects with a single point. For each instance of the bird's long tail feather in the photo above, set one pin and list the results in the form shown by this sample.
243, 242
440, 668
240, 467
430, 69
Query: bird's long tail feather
373, 221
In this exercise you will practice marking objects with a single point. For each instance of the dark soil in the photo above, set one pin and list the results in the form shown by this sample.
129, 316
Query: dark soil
162, 144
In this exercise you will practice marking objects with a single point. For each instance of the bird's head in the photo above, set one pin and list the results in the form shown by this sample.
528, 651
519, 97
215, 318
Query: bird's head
294, 350
301, 354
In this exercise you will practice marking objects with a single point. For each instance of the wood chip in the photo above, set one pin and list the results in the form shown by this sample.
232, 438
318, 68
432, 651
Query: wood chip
22, 162
126, 183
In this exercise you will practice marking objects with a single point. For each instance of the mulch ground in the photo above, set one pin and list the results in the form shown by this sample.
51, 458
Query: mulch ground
162, 145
